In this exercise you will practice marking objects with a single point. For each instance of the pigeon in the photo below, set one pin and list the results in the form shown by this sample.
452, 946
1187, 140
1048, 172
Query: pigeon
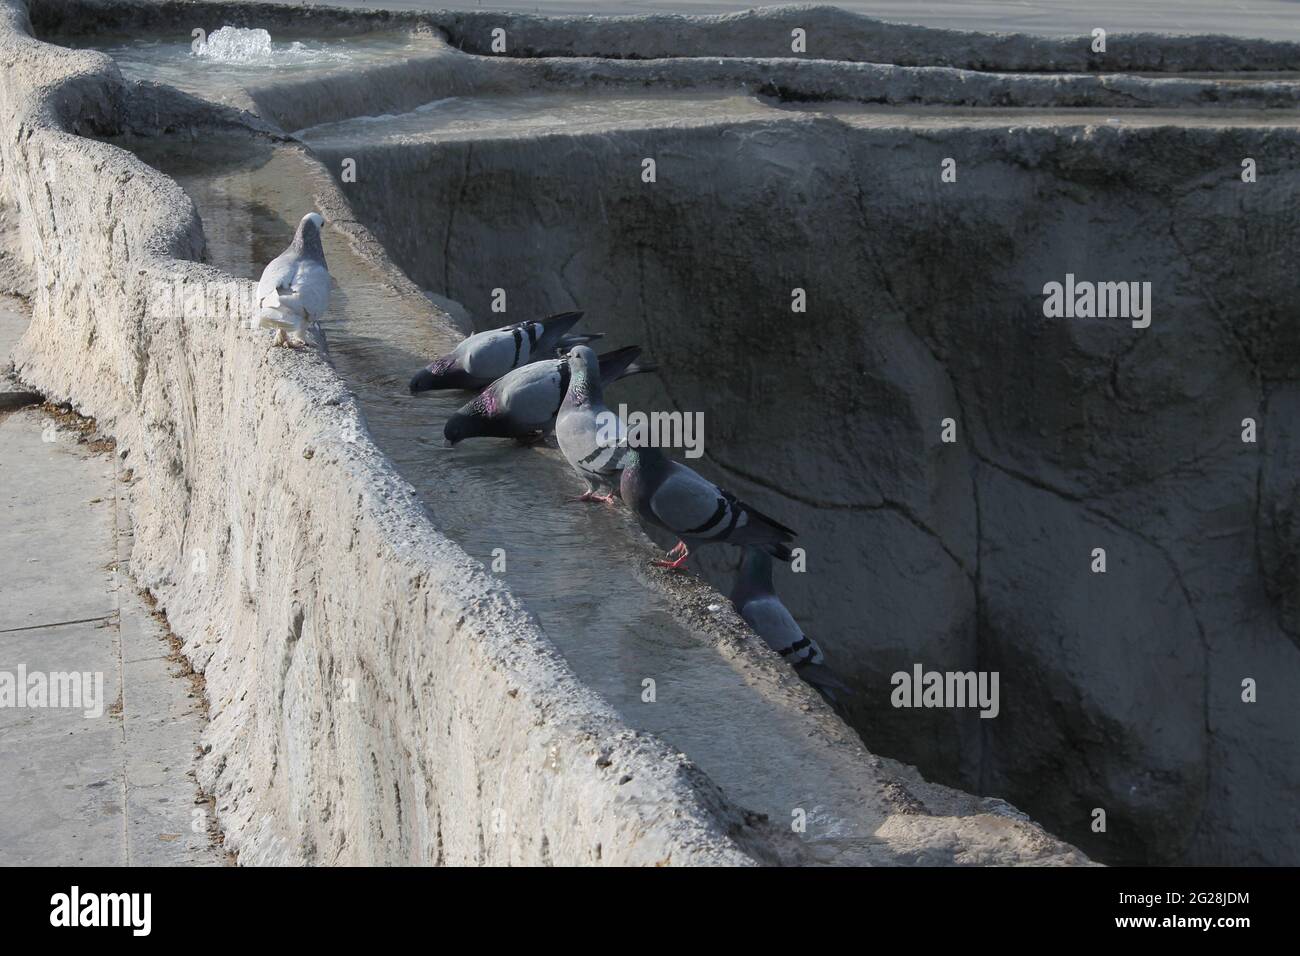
672, 496
294, 290
756, 602
591, 437
525, 401
485, 356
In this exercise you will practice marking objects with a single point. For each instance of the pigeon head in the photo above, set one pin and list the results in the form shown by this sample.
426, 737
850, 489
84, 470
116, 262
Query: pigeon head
754, 578
756, 569
584, 375
461, 426
477, 419
306, 241
442, 373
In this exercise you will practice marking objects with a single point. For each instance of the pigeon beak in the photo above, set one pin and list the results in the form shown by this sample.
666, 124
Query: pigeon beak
448, 443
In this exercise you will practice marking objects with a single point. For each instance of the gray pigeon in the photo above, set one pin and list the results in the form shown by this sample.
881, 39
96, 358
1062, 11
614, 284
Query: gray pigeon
757, 603
524, 402
591, 436
485, 356
294, 290
672, 496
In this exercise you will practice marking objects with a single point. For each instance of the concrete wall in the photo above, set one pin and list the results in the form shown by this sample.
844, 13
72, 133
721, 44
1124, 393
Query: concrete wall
413, 82
292, 560
377, 698
834, 34
375, 695
831, 34
1123, 691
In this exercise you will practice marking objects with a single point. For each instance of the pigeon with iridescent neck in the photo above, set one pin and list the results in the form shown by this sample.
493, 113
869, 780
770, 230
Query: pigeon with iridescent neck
523, 403
670, 495
294, 291
591, 437
485, 356
756, 601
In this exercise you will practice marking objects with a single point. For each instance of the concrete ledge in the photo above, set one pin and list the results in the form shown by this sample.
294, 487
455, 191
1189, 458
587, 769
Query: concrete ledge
403, 86
832, 34
375, 696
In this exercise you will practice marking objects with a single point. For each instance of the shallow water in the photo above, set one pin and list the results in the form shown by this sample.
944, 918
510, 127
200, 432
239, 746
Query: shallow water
498, 117
571, 564
969, 117
466, 117
223, 70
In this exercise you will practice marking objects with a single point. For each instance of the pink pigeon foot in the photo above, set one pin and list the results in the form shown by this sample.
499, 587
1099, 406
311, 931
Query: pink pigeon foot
592, 496
682, 553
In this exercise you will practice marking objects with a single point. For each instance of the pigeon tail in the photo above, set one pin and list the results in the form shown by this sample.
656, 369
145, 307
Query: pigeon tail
276, 318
778, 549
781, 552
574, 339
621, 363
557, 317
554, 328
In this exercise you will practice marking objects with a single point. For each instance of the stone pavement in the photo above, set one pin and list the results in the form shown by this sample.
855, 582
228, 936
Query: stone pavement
97, 769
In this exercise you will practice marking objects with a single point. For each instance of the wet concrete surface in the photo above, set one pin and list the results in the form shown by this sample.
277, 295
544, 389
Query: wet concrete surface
573, 565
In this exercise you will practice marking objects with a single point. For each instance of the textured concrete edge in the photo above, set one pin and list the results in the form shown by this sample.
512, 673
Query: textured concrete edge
239, 772
733, 52
102, 229
835, 34
832, 34
711, 617
399, 87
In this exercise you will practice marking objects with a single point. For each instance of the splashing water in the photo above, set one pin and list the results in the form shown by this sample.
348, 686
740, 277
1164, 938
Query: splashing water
241, 46
236, 45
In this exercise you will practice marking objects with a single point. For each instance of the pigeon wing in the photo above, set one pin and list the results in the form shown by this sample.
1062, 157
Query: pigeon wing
292, 285
588, 442
275, 276
686, 503
529, 396
310, 287
489, 355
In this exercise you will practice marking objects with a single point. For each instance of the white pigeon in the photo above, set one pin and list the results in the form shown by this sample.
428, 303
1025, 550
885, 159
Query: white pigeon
294, 290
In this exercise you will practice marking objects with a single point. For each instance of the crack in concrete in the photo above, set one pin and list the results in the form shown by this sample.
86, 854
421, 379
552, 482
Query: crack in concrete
981, 642
1216, 309
451, 222
886, 504
80, 620
1203, 637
